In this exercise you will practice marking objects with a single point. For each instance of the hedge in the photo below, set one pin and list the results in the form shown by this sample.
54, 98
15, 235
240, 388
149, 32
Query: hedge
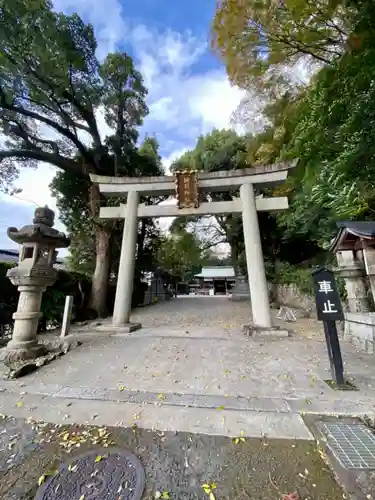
53, 301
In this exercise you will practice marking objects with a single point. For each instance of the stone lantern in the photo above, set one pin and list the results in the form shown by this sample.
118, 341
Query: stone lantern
32, 276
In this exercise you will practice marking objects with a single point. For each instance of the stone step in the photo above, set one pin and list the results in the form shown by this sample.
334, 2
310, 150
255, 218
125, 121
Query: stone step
351, 403
55, 410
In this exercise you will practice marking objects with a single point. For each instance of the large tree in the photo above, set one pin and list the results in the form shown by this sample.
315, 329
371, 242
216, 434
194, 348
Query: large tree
225, 150
333, 139
53, 94
73, 201
180, 254
257, 39
218, 150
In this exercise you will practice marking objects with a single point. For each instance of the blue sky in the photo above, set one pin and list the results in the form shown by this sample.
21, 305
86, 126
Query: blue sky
189, 93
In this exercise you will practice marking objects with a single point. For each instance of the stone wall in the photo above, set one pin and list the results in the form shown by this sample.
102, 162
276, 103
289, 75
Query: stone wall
360, 330
291, 296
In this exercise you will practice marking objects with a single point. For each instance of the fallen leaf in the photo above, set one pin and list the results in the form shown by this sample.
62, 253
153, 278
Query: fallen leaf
121, 388
221, 407
41, 479
99, 458
19, 403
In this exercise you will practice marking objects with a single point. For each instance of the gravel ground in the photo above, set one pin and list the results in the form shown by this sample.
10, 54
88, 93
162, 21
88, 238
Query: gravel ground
177, 463
213, 311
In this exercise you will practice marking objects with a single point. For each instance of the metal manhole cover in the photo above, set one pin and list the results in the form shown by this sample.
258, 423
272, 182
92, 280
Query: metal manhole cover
352, 444
119, 475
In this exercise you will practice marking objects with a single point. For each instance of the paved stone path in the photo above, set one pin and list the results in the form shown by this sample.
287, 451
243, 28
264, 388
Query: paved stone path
190, 368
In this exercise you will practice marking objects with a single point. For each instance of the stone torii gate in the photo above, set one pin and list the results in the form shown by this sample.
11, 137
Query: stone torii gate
187, 186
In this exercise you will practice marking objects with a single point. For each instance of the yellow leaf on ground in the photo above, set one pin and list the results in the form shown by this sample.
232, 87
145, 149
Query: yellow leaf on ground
41, 479
121, 388
98, 458
19, 403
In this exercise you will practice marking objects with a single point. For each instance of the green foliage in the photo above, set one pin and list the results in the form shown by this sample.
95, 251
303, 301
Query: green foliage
224, 149
258, 38
287, 274
180, 254
8, 301
218, 150
333, 140
53, 300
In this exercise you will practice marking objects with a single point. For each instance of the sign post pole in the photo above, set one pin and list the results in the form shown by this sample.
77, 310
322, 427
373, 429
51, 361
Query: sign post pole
329, 310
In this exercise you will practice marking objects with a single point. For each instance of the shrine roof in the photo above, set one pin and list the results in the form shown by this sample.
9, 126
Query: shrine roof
220, 272
352, 232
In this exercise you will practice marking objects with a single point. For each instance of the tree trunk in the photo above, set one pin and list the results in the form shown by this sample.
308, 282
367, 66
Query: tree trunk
99, 289
234, 256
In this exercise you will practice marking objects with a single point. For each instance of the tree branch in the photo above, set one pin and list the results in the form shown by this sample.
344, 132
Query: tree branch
57, 160
62, 130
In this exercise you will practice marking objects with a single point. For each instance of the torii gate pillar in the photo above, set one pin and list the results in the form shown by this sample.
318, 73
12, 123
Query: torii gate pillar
124, 290
254, 259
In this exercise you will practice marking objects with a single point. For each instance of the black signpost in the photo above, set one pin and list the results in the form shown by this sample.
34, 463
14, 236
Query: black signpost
329, 310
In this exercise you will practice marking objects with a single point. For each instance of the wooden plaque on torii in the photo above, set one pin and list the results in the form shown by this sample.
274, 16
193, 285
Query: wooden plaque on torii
187, 189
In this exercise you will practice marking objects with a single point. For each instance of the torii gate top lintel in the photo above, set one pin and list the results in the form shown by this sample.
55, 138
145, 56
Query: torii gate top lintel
208, 181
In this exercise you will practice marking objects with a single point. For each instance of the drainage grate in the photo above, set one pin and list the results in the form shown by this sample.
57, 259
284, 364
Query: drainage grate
352, 444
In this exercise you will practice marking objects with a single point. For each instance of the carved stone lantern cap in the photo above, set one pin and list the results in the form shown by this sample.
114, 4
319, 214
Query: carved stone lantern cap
41, 231
44, 215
